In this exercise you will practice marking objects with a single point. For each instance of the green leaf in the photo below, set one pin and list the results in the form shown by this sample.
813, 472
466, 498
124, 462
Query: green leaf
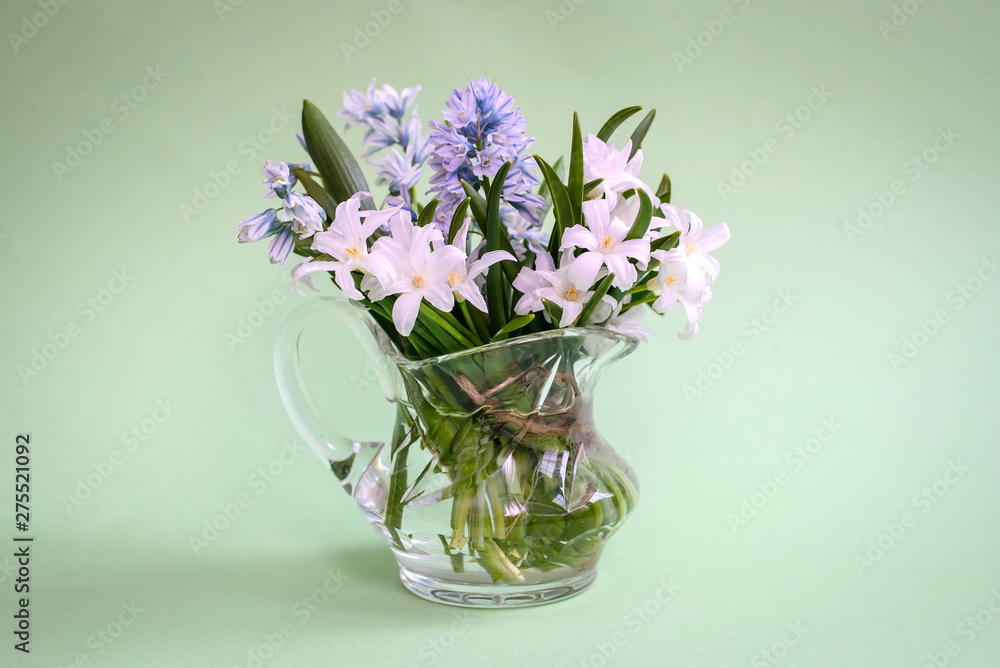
478, 204
559, 168
340, 171
513, 326
663, 190
640, 132
602, 289
574, 185
452, 327
590, 185
665, 243
494, 231
317, 192
458, 219
561, 205
554, 310
617, 119
642, 218
426, 216
543, 190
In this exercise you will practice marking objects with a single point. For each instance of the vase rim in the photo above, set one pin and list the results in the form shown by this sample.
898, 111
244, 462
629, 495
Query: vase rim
563, 332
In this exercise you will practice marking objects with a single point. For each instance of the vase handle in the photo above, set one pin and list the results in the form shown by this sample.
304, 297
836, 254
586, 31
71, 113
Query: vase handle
333, 447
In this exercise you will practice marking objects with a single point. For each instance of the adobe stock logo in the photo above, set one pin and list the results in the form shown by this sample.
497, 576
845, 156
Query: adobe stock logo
363, 36
968, 630
928, 329
122, 107
249, 148
924, 501
59, 340
699, 43
752, 329
770, 656
37, 21
566, 8
915, 167
900, 16
787, 126
795, 459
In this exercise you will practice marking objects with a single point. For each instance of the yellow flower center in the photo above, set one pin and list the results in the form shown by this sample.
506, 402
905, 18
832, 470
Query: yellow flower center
571, 295
352, 251
418, 281
454, 279
607, 242
669, 280
689, 249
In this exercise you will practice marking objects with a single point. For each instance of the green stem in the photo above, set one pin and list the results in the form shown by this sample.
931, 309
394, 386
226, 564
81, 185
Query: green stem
397, 485
476, 323
496, 505
636, 302
460, 507
640, 285
442, 322
510, 571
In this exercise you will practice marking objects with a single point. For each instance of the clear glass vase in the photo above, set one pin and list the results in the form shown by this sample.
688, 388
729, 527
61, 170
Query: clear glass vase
496, 489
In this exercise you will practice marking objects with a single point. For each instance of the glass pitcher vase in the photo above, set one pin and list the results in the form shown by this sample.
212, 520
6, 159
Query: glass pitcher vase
496, 489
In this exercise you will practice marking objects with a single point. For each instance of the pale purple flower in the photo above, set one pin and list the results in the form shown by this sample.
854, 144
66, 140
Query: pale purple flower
399, 172
481, 131
524, 235
389, 120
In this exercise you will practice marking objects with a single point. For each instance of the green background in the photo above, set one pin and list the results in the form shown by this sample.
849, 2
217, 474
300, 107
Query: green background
791, 579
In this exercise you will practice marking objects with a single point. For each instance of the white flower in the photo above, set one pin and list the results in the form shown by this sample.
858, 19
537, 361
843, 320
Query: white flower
346, 241
628, 323
529, 282
686, 273
671, 278
258, 227
278, 179
694, 311
602, 161
605, 245
557, 286
405, 238
304, 213
462, 277
564, 292
694, 246
281, 246
420, 273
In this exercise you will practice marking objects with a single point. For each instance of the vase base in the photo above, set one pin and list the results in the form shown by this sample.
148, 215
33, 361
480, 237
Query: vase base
494, 595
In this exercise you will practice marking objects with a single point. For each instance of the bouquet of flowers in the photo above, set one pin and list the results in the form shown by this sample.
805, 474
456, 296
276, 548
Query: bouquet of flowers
510, 248
479, 262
